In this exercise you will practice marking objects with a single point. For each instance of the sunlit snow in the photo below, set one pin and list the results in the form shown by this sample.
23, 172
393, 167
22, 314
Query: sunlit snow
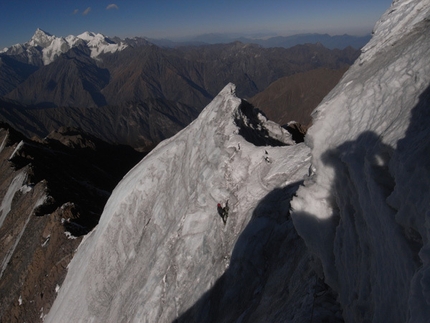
161, 243
50, 47
99, 44
365, 209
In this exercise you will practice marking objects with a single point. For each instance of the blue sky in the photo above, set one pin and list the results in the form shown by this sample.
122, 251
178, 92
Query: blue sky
176, 18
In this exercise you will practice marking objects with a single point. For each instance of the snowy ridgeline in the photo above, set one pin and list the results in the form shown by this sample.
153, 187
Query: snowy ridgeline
162, 252
49, 47
365, 210
161, 243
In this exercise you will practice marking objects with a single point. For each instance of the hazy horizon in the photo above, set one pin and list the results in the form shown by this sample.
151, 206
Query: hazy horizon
170, 19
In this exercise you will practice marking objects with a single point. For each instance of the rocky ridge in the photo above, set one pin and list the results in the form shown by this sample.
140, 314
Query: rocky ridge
52, 192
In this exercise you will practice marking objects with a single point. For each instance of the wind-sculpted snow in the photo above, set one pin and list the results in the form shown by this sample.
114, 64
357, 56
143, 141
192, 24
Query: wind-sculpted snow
364, 210
161, 244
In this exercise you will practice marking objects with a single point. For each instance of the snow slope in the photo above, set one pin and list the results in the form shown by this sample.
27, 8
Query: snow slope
365, 209
161, 244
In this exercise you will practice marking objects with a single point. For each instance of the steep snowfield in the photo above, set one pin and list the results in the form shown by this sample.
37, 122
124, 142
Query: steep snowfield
161, 244
365, 209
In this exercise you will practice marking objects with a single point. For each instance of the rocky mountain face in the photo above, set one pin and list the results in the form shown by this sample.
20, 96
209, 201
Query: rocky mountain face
141, 125
52, 192
74, 79
331, 42
293, 98
90, 72
13, 73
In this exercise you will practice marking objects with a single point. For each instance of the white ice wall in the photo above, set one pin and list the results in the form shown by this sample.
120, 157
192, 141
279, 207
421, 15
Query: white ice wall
365, 209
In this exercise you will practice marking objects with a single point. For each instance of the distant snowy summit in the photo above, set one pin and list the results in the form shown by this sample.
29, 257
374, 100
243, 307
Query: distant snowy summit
43, 48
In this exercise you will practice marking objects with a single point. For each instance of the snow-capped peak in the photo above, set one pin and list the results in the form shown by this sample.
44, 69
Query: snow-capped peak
99, 43
87, 35
41, 38
45, 48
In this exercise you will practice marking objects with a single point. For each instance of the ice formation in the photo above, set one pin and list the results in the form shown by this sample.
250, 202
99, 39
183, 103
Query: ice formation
161, 244
364, 211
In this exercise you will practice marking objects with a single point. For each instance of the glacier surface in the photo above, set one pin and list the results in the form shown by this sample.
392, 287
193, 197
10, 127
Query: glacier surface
364, 211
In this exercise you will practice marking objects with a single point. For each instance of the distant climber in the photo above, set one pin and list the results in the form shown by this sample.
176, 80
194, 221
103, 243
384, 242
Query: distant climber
223, 211
266, 157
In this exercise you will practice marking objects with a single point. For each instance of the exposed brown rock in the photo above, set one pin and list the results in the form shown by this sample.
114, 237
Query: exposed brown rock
51, 193
293, 98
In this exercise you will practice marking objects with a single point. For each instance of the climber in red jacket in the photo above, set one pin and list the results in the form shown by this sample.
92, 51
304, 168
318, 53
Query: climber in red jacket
223, 211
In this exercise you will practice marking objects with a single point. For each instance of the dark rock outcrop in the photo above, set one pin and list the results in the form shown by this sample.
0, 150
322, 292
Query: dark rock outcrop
52, 191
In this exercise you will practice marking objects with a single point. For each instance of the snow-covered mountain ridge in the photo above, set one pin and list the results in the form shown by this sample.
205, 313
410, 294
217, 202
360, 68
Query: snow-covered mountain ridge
368, 195
162, 253
162, 220
48, 47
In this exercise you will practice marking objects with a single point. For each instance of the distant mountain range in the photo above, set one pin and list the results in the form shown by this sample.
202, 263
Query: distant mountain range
132, 91
43, 48
331, 42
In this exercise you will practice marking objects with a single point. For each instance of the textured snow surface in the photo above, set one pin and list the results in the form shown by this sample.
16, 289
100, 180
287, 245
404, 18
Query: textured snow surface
365, 209
161, 244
